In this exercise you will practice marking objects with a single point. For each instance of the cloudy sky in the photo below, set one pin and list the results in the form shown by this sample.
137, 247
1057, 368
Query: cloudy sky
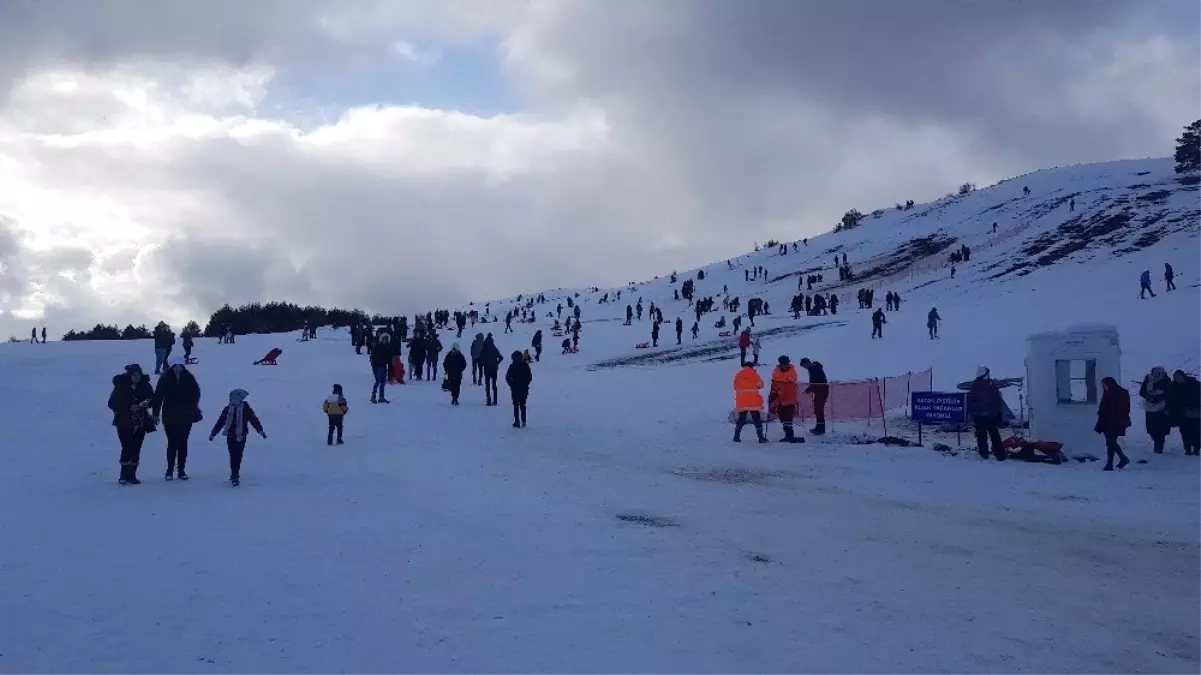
158, 159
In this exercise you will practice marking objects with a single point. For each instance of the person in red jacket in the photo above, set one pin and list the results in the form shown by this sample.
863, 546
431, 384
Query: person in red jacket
234, 423
1113, 418
744, 343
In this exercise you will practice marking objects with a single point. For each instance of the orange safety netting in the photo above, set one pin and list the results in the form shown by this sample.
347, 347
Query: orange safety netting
865, 399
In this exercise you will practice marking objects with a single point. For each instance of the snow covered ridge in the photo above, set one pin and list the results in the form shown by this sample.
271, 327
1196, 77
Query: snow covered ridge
1068, 251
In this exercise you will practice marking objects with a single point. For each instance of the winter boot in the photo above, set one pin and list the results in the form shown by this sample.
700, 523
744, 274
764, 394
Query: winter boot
1107, 467
181, 475
234, 480
170, 475
373, 398
1123, 462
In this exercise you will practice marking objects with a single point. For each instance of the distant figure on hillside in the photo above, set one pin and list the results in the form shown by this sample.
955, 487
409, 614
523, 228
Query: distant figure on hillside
888, 301
696, 329
33, 336
932, 320
878, 321
1072, 205
679, 331
1168, 276
833, 304
629, 315
994, 227
952, 271
187, 347
1026, 190
536, 343
44, 330
654, 333
1145, 284
491, 358
638, 307
164, 339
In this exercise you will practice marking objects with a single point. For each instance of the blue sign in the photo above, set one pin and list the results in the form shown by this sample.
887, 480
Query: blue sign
938, 407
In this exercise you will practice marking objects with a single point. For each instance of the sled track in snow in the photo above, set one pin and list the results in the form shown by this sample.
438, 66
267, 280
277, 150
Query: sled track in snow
722, 349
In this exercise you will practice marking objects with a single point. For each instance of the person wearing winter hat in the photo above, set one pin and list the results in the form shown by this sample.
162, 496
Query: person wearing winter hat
335, 408
234, 423
519, 376
987, 408
130, 402
1154, 392
454, 365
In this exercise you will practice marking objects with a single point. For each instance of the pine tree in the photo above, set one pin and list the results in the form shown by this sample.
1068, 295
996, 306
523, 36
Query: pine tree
1188, 149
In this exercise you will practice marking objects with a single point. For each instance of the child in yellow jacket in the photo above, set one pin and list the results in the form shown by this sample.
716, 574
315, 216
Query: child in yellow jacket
335, 408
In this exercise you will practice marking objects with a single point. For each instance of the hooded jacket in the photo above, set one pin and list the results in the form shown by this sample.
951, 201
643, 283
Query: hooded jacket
238, 407
477, 346
454, 364
519, 376
176, 399
125, 395
490, 356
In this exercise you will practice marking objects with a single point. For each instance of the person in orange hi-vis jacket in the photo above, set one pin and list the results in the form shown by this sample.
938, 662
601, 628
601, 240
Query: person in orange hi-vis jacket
748, 400
783, 397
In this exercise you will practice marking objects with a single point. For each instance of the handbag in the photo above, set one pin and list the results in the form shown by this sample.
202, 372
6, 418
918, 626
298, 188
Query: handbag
445, 385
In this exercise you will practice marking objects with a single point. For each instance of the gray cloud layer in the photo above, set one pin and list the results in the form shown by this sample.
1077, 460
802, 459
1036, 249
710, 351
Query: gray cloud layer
725, 122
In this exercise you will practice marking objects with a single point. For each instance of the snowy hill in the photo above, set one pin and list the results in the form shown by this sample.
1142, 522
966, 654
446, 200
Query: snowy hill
622, 530
1046, 267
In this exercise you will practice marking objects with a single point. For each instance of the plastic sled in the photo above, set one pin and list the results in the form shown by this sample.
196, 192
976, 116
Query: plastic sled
269, 359
191, 361
1050, 451
725, 333
642, 345
557, 333
398, 371
573, 350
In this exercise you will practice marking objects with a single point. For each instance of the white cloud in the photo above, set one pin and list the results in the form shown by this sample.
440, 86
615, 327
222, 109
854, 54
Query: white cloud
148, 172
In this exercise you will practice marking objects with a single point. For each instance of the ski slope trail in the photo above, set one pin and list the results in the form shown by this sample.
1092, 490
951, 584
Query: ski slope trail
620, 531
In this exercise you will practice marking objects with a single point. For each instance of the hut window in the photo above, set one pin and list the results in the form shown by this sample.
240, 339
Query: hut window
1076, 381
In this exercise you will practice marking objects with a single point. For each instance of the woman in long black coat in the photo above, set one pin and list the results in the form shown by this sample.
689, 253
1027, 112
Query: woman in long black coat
177, 406
130, 402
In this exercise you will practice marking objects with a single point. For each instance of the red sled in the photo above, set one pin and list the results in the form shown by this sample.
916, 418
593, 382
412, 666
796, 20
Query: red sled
642, 345
269, 359
725, 333
398, 371
1052, 450
572, 350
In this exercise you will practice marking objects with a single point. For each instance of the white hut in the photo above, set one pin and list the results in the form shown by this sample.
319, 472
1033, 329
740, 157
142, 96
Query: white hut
1063, 377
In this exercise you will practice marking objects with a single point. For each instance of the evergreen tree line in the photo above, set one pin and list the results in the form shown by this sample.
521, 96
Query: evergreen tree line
272, 317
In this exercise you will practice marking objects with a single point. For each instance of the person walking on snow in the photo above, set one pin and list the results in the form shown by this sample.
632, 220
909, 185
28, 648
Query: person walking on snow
177, 406
932, 320
696, 329
234, 423
381, 358
454, 365
1154, 392
477, 364
1145, 285
491, 357
518, 377
629, 314
654, 333
1113, 418
679, 331
433, 349
335, 409
130, 402
44, 330
188, 343
748, 401
783, 397
744, 342
1168, 276
755, 348
987, 408
536, 343
878, 321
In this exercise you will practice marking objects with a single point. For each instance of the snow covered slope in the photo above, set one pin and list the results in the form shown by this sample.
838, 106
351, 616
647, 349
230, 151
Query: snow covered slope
1046, 268
622, 530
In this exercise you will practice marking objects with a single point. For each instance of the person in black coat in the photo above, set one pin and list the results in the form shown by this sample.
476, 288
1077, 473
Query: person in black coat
819, 387
187, 347
1184, 404
417, 356
381, 359
177, 407
130, 402
518, 377
679, 331
454, 365
537, 345
490, 359
433, 349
